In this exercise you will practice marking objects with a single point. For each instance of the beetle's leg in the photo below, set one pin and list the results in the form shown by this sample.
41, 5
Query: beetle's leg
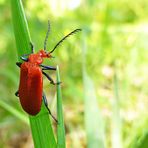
24, 55
18, 64
17, 93
46, 104
47, 67
32, 47
23, 58
50, 79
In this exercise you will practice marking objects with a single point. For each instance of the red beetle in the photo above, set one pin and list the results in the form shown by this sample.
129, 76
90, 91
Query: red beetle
30, 90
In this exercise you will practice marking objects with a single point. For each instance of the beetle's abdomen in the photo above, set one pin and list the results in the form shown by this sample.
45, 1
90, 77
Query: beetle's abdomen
30, 88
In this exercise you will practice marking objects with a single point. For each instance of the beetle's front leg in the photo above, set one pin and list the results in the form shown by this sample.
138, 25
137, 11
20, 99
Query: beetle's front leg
50, 79
47, 67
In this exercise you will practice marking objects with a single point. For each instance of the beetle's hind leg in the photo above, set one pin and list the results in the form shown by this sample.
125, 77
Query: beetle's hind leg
48, 77
46, 104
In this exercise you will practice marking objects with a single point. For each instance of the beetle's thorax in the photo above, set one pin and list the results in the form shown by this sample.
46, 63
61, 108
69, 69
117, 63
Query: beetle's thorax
37, 58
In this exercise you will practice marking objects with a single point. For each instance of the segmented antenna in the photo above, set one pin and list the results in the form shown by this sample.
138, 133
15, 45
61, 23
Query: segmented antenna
76, 30
47, 34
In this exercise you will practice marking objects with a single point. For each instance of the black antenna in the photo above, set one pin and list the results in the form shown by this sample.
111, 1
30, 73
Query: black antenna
76, 30
47, 34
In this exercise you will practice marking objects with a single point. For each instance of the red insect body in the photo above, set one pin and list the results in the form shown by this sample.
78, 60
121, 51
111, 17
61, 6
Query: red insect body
31, 83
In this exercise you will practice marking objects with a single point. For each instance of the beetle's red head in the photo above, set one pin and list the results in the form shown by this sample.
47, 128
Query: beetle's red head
44, 54
38, 57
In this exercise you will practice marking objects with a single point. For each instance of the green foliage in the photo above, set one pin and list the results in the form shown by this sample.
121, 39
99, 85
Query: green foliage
143, 141
115, 33
13, 111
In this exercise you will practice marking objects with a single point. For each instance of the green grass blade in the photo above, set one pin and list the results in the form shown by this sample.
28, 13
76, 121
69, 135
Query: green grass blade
42, 131
93, 119
20, 26
143, 141
116, 119
94, 122
60, 128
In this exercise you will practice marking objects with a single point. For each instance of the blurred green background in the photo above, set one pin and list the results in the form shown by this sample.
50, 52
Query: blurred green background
103, 71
